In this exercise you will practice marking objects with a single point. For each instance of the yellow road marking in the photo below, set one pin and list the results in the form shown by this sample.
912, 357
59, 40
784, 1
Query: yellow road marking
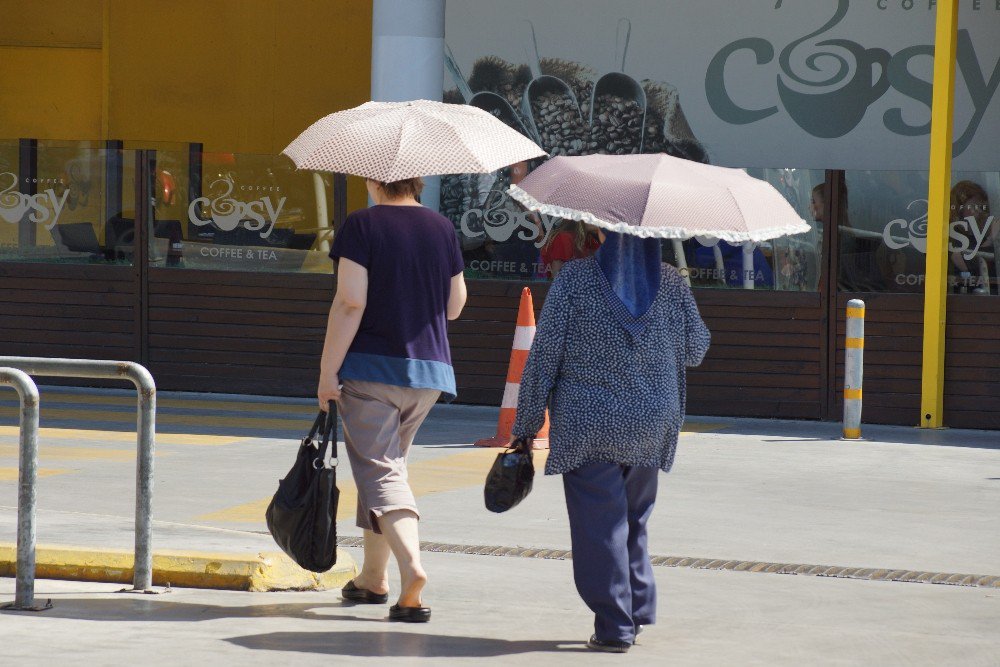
11, 474
161, 418
444, 473
124, 436
74, 453
209, 404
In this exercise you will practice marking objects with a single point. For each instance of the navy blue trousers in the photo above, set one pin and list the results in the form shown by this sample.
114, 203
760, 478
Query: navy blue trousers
609, 506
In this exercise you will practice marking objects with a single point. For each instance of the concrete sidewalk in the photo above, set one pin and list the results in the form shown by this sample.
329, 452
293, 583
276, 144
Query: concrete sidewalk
742, 492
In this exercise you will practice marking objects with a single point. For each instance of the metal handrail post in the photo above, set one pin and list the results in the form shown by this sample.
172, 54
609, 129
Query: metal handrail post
145, 437
24, 596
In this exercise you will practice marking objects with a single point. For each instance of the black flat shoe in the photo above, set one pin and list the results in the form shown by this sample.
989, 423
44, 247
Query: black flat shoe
362, 595
609, 646
409, 614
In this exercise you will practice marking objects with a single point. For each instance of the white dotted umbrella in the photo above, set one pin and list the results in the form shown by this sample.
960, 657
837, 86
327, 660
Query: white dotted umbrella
391, 141
659, 196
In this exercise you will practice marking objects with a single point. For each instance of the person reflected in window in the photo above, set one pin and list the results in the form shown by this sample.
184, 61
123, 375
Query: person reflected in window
570, 240
971, 219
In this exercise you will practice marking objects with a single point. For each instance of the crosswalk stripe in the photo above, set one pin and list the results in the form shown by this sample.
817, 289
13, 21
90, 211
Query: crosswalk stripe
84, 415
77, 435
443, 473
193, 404
11, 474
73, 453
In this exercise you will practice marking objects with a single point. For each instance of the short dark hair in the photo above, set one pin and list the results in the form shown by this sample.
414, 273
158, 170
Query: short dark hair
408, 187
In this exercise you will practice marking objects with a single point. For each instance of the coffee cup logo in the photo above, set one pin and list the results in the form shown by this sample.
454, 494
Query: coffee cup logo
500, 223
846, 79
964, 236
13, 204
45, 207
227, 213
826, 87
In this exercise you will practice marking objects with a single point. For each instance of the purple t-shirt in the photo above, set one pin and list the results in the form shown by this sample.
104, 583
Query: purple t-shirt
411, 254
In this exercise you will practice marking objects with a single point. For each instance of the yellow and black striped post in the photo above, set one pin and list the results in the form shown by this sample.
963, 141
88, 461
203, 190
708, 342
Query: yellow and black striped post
854, 358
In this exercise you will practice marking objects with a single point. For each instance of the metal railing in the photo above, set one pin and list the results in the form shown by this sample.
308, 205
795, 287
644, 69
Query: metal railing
145, 432
24, 596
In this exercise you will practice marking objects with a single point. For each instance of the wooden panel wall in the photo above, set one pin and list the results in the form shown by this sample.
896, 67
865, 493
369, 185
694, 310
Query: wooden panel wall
228, 332
766, 357
263, 333
481, 339
893, 339
764, 361
893, 354
972, 362
74, 311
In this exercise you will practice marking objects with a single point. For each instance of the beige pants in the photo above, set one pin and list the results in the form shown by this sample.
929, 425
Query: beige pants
380, 421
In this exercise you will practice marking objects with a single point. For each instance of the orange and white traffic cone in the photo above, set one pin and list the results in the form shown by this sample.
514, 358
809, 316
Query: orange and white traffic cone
524, 334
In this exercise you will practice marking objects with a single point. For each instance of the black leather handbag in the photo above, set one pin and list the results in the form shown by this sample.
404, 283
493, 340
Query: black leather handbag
509, 480
302, 515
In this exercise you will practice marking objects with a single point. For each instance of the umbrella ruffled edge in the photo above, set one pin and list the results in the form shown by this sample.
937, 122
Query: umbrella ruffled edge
529, 202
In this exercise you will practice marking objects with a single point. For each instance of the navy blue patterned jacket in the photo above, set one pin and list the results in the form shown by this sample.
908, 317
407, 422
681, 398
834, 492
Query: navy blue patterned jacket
616, 394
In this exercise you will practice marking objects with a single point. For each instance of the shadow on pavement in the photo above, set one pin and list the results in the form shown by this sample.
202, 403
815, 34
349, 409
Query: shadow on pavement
400, 644
128, 607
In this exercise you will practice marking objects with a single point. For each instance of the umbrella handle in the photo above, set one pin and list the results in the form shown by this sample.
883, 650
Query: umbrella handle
681, 260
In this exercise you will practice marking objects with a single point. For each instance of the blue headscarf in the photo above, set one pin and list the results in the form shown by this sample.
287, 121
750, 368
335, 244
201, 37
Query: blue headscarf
633, 267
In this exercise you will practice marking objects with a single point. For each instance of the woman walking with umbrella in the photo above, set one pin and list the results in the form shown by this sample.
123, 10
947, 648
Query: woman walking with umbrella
386, 358
615, 334
609, 356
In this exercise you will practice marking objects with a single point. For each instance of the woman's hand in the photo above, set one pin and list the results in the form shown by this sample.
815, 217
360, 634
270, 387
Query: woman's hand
513, 439
328, 390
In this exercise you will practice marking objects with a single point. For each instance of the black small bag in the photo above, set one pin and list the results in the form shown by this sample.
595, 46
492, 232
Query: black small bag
302, 516
509, 480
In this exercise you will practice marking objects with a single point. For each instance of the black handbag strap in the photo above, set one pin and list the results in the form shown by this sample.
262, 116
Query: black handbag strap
317, 425
327, 421
522, 445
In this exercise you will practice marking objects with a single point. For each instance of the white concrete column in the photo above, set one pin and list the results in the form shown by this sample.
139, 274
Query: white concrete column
408, 59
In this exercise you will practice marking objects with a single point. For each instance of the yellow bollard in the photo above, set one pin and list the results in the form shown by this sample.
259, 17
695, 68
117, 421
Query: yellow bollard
854, 355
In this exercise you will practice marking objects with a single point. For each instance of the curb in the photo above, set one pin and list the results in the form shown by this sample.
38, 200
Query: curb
261, 572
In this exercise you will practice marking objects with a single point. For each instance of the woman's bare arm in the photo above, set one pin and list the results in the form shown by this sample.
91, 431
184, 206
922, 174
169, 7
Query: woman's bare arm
457, 297
341, 327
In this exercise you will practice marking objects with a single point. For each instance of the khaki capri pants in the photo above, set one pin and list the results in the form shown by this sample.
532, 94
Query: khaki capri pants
380, 422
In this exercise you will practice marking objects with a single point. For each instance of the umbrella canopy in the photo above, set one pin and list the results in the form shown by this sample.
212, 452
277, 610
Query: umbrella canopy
659, 196
392, 141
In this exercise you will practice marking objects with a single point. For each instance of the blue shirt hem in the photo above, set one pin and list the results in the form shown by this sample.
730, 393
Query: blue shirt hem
401, 372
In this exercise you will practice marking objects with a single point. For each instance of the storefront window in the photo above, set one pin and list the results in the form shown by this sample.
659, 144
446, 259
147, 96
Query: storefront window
60, 212
790, 263
240, 212
11, 204
500, 240
883, 232
974, 234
